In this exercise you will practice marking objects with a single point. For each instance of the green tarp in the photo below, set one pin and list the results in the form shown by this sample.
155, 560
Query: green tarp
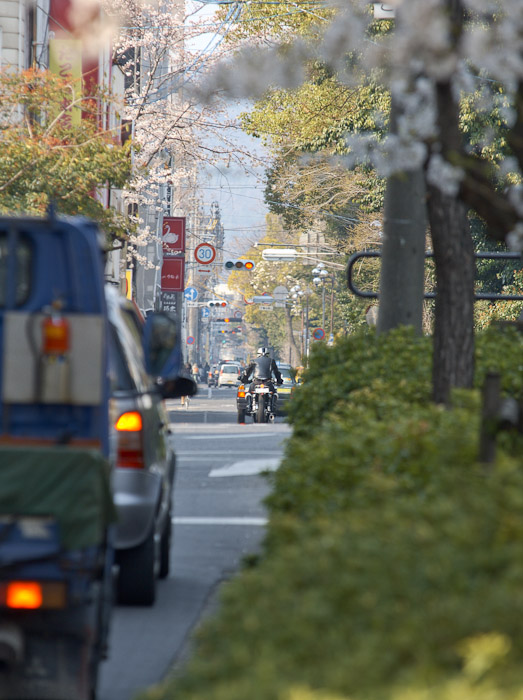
70, 484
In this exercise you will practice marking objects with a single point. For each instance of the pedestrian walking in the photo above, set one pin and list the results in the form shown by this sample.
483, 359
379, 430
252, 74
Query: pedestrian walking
186, 372
196, 372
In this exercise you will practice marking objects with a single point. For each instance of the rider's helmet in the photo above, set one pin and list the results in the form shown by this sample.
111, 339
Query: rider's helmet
263, 352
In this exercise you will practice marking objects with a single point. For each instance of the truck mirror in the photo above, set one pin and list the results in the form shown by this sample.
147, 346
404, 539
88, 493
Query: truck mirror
162, 346
177, 387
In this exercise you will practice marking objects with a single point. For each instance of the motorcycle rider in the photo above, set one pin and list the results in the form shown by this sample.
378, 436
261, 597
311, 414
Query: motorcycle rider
262, 369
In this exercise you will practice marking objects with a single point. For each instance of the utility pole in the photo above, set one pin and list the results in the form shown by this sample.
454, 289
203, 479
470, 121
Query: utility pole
403, 253
403, 250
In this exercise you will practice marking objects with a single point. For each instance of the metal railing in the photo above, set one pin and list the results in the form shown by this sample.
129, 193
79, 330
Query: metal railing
431, 295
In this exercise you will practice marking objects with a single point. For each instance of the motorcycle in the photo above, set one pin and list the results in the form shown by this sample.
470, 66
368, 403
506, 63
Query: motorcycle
258, 400
212, 378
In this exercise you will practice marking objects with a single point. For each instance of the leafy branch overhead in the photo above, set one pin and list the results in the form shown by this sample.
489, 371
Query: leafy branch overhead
47, 157
441, 49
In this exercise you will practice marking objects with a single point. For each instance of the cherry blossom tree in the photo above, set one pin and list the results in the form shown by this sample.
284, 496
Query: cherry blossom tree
442, 56
173, 136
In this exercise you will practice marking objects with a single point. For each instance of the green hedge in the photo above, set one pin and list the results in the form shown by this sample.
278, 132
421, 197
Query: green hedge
393, 562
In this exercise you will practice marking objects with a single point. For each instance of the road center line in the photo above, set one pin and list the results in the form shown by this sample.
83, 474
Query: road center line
259, 522
230, 436
247, 467
220, 453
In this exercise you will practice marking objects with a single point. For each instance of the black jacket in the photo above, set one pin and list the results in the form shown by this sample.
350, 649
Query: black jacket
263, 368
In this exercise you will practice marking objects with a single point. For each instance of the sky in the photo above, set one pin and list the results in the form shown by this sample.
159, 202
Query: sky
238, 193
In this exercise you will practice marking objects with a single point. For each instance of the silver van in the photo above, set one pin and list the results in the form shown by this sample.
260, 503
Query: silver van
143, 477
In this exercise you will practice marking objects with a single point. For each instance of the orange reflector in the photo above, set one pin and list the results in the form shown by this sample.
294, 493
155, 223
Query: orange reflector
24, 595
55, 335
132, 421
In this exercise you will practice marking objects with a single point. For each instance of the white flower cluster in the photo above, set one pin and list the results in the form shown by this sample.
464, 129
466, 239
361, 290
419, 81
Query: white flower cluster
423, 52
515, 196
417, 109
443, 175
390, 156
253, 71
495, 46
515, 238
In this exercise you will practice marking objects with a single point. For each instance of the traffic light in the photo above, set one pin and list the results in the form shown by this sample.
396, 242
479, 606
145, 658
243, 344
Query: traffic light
216, 303
239, 265
222, 320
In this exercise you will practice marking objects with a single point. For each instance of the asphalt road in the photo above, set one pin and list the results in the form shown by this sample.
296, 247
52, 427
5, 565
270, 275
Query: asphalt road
218, 519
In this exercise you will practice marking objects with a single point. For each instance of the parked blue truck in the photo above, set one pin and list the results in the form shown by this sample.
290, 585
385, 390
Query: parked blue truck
56, 464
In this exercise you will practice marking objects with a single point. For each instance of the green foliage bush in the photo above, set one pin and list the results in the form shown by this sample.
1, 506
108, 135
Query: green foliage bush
393, 562
400, 360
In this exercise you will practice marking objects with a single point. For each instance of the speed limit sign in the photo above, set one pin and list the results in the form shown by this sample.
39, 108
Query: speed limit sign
204, 253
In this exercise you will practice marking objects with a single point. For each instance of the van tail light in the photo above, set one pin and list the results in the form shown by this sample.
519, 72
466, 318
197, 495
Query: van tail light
24, 594
33, 595
130, 441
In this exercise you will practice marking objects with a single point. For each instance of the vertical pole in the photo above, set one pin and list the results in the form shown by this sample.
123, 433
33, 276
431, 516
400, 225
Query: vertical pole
307, 326
323, 305
403, 251
302, 332
332, 307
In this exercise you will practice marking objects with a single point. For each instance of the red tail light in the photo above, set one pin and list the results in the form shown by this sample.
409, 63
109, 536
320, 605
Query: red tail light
130, 441
24, 594
32, 595
241, 391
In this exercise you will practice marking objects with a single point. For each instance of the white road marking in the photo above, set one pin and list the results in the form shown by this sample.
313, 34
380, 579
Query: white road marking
219, 521
228, 436
248, 467
222, 454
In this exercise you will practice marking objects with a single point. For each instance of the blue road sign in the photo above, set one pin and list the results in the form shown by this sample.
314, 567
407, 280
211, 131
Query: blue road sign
190, 340
206, 312
191, 294
318, 334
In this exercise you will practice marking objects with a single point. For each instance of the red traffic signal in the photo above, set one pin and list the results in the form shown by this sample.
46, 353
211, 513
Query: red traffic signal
239, 265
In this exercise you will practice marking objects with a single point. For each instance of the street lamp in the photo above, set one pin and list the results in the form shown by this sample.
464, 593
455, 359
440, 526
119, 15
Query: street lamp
321, 276
277, 255
291, 255
297, 293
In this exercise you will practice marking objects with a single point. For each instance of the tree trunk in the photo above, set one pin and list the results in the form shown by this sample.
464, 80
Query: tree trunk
453, 361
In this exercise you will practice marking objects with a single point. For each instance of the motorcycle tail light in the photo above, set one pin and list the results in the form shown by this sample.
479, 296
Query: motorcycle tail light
130, 441
33, 595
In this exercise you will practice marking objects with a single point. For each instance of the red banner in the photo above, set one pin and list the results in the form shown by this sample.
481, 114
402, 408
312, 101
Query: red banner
173, 235
173, 273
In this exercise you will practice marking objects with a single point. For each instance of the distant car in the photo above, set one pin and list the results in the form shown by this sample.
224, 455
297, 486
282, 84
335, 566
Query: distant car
229, 374
286, 389
145, 460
